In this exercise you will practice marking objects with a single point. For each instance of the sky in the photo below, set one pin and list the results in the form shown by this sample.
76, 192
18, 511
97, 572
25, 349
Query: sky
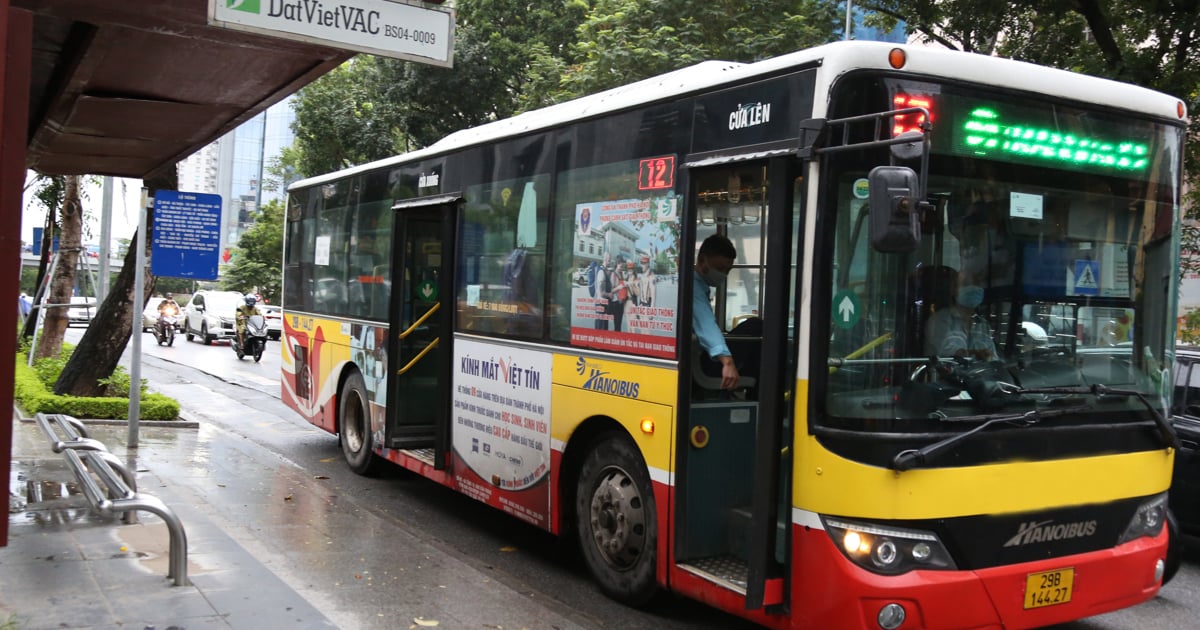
127, 195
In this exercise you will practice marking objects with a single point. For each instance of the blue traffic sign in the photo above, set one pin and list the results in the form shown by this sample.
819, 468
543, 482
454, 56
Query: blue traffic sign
187, 235
1087, 277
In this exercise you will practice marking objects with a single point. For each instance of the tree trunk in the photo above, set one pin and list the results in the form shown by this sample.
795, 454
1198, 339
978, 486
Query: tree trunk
102, 345
62, 285
43, 267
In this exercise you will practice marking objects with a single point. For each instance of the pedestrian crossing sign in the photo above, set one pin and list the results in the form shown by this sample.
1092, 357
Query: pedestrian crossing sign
1086, 279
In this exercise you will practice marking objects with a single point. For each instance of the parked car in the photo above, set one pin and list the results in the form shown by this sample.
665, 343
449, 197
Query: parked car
81, 314
274, 316
210, 315
1185, 411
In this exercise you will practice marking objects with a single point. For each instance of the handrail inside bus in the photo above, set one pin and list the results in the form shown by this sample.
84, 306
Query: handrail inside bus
432, 344
421, 320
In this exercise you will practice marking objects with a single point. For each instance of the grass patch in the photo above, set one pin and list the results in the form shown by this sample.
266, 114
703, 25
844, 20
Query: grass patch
33, 389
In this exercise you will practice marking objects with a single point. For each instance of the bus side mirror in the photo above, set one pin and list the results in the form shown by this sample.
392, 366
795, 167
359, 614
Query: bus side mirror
895, 209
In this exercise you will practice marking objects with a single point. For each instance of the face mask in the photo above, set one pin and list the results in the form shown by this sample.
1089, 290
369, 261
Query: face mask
970, 296
712, 277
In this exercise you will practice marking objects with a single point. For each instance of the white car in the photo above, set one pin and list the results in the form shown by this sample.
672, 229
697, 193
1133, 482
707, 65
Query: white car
274, 316
211, 315
81, 314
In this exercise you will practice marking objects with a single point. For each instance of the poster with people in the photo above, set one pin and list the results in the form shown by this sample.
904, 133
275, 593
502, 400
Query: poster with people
627, 274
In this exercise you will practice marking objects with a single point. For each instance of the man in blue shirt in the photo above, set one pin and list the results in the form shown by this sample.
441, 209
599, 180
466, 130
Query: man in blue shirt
713, 262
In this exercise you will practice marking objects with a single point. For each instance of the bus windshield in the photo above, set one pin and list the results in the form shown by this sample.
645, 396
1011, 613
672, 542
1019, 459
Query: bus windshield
1044, 271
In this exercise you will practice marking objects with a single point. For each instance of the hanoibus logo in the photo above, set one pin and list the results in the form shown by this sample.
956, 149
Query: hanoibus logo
599, 380
248, 6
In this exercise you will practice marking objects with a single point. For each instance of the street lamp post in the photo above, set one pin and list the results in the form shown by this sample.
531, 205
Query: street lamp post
846, 34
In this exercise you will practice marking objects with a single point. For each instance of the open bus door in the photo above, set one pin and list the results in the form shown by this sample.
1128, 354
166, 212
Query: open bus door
421, 314
734, 484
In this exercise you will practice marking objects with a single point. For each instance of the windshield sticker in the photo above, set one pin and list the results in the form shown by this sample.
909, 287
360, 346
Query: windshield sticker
846, 309
1025, 206
861, 188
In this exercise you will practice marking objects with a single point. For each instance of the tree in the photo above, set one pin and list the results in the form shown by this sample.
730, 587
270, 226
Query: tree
100, 349
371, 108
62, 284
622, 41
341, 119
259, 258
48, 193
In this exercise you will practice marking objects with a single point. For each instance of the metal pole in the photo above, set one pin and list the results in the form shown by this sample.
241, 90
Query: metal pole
105, 238
139, 289
846, 35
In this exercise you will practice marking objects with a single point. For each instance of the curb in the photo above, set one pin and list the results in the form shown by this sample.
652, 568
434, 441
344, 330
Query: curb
184, 422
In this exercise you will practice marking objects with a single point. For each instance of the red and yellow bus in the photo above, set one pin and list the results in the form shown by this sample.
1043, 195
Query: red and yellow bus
508, 312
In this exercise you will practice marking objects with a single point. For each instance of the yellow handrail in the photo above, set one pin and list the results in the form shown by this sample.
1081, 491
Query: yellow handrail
431, 346
420, 321
865, 349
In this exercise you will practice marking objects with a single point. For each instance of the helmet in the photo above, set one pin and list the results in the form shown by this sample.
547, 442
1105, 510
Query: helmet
250, 300
169, 296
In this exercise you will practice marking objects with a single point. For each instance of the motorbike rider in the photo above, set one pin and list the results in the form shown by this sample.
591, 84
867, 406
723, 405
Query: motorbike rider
167, 305
243, 313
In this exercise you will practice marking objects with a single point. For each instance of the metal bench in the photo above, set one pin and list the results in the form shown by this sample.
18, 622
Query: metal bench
87, 457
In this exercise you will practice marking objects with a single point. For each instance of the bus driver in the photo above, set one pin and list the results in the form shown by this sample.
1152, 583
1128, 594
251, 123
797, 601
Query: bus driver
957, 330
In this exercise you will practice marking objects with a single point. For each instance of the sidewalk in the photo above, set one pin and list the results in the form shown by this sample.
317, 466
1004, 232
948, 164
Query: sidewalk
66, 567
248, 515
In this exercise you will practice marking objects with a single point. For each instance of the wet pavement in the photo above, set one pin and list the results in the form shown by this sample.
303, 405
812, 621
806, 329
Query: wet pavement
269, 546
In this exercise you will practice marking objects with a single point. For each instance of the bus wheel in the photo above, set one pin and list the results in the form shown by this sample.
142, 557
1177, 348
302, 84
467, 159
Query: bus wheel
354, 426
616, 520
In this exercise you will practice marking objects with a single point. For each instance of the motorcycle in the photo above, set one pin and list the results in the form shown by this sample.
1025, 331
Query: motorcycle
164, 328
255, 338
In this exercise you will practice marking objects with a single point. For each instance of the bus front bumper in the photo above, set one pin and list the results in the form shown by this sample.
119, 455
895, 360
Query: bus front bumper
993, 598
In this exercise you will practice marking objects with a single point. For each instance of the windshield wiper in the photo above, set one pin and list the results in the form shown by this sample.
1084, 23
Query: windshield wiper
906, 460
1099, 391
909, 459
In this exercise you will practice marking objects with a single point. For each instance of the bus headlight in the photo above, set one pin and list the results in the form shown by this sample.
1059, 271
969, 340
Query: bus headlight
887, 549
1148, 520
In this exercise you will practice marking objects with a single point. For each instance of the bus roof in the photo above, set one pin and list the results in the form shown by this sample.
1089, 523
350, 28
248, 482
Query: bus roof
835, 59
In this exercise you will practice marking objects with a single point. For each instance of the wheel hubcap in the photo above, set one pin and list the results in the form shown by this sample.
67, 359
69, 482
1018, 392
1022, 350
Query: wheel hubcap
618, 518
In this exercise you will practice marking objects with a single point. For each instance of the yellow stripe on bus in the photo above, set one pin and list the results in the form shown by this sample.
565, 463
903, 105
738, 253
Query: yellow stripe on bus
829, 484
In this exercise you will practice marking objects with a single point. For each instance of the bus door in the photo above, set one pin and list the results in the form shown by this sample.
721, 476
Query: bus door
734, 476
419, 350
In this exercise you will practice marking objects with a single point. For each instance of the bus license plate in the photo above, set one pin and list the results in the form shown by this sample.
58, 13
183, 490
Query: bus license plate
1049, 588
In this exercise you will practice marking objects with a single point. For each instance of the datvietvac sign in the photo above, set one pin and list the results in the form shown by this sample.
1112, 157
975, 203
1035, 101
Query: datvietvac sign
378, 27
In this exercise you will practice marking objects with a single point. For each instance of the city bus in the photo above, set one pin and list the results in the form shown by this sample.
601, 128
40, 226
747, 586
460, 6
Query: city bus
509, 312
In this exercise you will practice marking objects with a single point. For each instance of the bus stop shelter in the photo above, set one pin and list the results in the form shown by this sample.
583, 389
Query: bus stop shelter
110, 87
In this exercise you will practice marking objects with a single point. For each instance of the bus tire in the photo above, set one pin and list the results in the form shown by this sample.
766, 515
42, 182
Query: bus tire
616, 522
354, 427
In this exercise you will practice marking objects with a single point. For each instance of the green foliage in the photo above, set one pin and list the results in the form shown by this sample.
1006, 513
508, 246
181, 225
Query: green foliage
508, 56
1189, 333
49, 191
259, 259
622, 41
342, 119
35, 396
117, 385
